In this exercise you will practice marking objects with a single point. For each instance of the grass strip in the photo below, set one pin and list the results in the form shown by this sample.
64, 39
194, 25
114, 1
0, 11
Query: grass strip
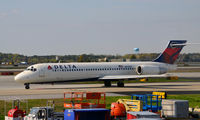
194, 100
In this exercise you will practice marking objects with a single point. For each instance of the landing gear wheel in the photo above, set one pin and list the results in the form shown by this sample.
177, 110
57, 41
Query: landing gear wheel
107, 83
27, 86
120, 84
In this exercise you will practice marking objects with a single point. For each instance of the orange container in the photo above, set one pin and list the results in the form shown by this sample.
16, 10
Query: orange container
118, 110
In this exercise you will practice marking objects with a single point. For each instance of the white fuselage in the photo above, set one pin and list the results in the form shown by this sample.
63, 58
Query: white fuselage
63, 72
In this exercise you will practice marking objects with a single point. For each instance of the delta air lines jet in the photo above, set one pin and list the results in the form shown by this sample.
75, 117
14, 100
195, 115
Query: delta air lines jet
106, 71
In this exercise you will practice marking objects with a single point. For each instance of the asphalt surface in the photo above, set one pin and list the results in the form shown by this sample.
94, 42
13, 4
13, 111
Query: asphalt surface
187, 75
9, 89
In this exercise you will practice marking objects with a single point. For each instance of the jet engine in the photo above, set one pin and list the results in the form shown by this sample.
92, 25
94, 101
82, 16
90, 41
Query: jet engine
150, 70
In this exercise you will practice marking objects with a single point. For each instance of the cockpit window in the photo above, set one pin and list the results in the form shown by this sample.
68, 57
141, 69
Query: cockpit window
31, 69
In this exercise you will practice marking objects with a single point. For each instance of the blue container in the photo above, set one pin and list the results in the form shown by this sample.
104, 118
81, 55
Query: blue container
87, 114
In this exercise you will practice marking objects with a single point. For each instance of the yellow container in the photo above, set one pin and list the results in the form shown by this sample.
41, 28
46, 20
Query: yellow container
143, 80
131, 105
162, 95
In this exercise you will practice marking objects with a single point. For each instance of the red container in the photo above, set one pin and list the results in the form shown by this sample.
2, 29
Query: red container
15, 113
7, 73
142, 114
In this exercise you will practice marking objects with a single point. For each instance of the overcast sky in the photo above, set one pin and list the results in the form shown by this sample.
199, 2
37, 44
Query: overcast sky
62, 27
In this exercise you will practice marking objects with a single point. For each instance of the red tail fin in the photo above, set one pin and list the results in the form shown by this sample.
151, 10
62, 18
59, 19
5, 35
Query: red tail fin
172, 52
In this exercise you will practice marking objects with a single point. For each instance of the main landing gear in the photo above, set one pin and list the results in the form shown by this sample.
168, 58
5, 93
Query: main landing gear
27, 86
107, 83
120, 83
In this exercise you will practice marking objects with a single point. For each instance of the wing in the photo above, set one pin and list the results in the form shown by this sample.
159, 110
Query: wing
112, 77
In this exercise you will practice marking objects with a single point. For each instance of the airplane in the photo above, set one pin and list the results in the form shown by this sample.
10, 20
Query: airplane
105, 71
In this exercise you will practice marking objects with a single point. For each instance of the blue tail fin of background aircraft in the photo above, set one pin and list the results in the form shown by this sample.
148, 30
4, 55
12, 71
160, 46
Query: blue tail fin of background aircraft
172, 52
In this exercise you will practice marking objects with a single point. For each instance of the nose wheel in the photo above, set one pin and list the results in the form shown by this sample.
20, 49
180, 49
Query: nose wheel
27, 86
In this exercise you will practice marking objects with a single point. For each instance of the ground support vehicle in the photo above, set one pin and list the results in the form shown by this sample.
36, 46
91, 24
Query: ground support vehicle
44, 113
150, 102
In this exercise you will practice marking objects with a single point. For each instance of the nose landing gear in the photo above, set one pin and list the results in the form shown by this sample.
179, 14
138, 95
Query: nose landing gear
27, 86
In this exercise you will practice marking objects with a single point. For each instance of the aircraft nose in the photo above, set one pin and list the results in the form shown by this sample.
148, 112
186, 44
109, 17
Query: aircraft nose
19, 78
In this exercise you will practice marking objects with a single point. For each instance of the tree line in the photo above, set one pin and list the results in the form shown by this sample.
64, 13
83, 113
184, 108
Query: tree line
17, 58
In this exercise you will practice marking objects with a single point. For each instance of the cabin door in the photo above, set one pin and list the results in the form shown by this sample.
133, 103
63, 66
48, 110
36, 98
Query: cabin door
41, 73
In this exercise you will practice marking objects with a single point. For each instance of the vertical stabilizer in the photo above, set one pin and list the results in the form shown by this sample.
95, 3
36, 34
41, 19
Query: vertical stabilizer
172, 52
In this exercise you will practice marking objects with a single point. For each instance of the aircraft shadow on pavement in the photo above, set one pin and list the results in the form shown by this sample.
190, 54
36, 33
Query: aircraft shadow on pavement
133, 86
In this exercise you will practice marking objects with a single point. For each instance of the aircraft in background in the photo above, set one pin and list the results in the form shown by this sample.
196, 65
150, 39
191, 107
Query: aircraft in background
106, 71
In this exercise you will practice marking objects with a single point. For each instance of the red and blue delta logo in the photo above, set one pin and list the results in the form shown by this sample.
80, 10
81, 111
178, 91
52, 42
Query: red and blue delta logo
49, 67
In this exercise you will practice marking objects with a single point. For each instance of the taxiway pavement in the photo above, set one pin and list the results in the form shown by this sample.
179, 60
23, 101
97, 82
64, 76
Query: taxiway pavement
9, 89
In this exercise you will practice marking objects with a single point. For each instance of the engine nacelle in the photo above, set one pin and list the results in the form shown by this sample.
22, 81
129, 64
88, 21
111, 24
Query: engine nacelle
150, 70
